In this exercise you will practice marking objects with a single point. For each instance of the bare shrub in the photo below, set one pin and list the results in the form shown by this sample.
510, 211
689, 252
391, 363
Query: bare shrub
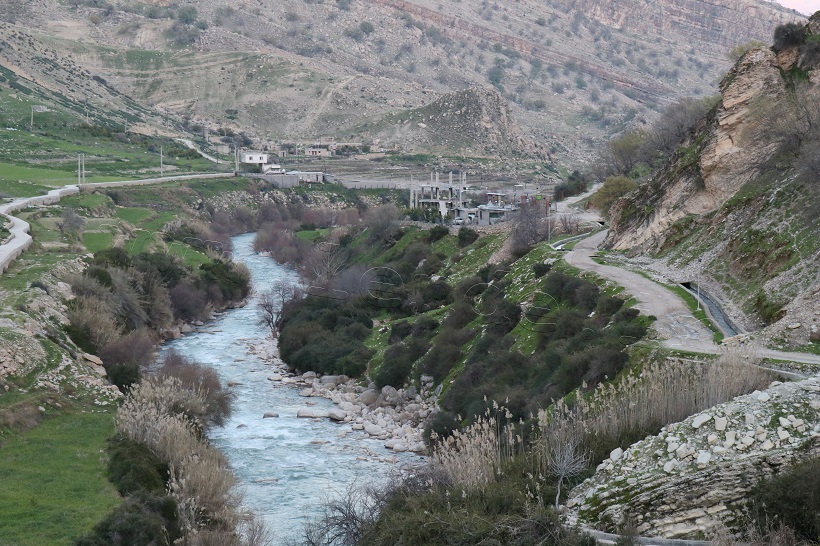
133, 349
528, 229
189, 302
561, 457
92, 316
346, 517
72, 224
324, 263
202, 381
570, 223
382, 223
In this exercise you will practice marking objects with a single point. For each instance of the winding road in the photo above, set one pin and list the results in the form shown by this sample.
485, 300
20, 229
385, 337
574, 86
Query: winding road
675, 325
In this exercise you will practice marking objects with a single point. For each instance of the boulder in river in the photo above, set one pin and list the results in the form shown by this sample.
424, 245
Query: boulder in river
337, 414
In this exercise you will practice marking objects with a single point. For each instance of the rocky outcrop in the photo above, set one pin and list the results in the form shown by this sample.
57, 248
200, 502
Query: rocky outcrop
693, 478
711, 166
477, 121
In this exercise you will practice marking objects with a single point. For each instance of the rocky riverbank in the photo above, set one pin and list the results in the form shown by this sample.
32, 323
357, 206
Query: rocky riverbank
394, 416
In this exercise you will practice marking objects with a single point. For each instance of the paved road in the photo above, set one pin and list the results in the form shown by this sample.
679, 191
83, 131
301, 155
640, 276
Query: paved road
675, 325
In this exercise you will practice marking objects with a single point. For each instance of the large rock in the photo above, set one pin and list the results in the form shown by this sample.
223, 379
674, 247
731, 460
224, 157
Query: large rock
368, 397
312, 413
337, 414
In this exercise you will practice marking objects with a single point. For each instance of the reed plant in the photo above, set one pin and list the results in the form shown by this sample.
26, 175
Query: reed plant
621, 412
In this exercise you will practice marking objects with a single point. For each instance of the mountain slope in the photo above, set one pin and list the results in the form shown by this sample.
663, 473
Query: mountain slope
578, 71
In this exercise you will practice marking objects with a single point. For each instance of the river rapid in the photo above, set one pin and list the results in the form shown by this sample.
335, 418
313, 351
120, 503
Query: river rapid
287, 467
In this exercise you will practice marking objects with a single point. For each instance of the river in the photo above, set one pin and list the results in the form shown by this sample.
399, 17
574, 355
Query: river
287, 467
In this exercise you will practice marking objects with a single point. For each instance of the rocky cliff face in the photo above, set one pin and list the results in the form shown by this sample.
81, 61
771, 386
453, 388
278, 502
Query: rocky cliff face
727, 22
711, 166
692, 479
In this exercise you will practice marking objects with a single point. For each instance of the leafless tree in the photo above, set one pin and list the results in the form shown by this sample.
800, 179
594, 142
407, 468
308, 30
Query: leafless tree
268, 310
381, 222
527, 229
271, 302
72, 224
570, 223
564, 459
324, 263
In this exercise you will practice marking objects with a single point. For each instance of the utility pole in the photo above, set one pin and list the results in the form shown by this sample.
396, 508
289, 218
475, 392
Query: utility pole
697, 282
161, 166
31, 125
549, 220
80, 169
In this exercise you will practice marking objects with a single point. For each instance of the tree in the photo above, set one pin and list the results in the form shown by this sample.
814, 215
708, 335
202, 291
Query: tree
527, 229
614, 188
72, 224
271, 303
381, 222
187, 15
268, 311
324, 262
563, 459
570, 223
789, 35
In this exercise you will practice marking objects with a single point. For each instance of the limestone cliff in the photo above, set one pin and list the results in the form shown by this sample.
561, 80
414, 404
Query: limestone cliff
710, 167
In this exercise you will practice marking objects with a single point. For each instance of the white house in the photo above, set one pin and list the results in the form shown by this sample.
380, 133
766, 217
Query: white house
254, 158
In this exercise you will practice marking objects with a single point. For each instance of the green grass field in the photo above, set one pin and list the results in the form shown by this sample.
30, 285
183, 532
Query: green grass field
53, 480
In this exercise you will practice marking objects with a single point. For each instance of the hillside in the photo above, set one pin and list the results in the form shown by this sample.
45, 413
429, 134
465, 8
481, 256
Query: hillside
736, 204
572, 72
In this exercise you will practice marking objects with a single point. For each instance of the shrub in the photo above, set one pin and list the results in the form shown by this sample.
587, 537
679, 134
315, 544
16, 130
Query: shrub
398, 362
132, 467
541, 269
436, 233
466, 236
613, 189
189, 302
198, 378
789, 35
146, 520
133, 349
791, 498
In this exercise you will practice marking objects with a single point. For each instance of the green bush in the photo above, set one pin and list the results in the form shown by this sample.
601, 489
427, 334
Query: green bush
133, 468
541, 269
142, 520
789, 35
398, 362
437, 233
466, 236
123, 375
791, 498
